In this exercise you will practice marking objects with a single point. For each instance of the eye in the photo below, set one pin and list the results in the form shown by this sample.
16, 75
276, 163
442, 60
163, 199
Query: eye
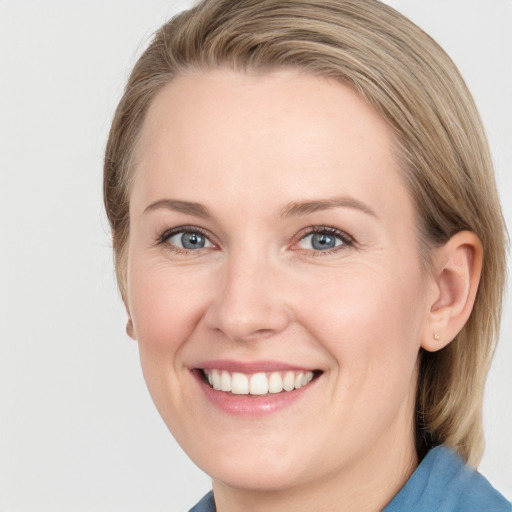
324, 239
188, 240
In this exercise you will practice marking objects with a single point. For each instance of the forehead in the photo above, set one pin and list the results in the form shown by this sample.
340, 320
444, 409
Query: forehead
245, 133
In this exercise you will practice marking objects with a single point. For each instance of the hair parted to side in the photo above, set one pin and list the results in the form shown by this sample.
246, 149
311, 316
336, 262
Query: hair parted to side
441, 144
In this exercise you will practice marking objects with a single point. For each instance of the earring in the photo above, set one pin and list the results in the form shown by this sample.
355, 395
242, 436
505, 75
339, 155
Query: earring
436, 336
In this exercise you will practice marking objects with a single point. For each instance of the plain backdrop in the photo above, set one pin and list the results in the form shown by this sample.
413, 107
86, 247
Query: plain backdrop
78, 430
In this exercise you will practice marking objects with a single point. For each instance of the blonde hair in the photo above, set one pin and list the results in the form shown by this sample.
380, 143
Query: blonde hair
409, 79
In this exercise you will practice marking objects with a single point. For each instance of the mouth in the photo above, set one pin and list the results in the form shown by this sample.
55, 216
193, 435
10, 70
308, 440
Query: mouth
258, 383
254, 389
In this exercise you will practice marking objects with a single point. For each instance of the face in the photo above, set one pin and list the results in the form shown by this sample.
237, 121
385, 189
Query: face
273, 253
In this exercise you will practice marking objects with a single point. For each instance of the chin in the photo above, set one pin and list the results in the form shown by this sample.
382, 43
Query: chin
263, 476
255, 461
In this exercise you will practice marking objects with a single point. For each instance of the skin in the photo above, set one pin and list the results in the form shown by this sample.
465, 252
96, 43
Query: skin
246, 147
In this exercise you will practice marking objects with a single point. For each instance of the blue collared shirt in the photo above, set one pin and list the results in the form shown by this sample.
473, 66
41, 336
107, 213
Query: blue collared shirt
441, 483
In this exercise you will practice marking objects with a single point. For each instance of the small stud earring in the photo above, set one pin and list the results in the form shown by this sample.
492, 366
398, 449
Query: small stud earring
436, 336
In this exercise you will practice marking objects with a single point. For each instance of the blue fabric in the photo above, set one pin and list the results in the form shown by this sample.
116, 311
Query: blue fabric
205, 505
441, 483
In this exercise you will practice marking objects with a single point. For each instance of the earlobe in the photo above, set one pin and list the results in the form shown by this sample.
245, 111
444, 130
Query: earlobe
129, 329
129, 325
456, 274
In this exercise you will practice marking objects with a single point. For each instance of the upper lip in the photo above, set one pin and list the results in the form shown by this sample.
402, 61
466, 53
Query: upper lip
250, 367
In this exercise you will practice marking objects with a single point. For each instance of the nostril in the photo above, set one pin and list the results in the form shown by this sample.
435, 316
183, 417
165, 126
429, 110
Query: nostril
248, 305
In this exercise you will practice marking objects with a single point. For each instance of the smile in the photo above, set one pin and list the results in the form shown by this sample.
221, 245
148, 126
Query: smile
261, 383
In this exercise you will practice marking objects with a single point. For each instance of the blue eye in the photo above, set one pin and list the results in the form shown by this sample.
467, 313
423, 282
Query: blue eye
188, 240
323, 240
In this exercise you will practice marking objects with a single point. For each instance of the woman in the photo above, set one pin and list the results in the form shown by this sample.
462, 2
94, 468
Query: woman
310, 248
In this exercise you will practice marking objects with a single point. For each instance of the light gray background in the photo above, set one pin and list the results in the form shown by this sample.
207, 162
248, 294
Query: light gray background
78, 431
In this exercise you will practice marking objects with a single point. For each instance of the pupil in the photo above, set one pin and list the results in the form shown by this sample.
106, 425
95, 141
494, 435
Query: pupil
192, 241
322, 241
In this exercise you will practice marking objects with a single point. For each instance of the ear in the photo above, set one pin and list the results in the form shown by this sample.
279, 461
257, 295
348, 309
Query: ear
129, 324
456, 274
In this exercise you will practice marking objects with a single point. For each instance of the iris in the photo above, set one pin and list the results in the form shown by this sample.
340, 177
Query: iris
192, 241
323, 241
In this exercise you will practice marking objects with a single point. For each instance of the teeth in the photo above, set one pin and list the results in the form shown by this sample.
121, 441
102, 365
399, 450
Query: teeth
258, 383
239, 384
289, 381
216, 380
225, 381
275, 383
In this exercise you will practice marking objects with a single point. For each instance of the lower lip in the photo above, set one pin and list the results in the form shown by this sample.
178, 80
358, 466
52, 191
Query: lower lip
250, 405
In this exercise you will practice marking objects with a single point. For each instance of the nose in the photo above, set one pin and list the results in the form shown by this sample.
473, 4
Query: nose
249, 301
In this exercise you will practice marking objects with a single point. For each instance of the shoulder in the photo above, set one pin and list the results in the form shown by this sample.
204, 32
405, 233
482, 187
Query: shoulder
442, 482
207, 504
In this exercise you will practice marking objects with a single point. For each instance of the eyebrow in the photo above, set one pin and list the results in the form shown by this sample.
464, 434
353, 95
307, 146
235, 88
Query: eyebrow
187, 207
295, 209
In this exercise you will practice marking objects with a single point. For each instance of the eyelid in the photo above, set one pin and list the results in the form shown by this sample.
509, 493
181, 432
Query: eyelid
163, 238
348, 240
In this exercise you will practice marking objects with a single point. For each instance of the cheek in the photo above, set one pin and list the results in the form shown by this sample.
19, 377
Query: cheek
165, 305
370, 324
369, 316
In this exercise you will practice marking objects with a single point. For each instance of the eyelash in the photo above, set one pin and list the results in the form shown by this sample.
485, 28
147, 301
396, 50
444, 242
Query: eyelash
345, 238
166, 235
